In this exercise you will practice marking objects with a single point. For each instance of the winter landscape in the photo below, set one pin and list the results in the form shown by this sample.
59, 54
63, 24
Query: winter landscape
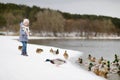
14, 66
69, 40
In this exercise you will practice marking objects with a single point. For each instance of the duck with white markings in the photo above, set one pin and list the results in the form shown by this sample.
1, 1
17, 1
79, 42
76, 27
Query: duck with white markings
56, 61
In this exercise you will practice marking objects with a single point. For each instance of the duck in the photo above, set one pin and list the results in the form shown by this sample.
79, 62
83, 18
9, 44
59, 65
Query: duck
19, 47
51, 50
93, 59
100, 60
65, 55
56, 61
89, 57
54, 51
80, 60
39, 50
57, 51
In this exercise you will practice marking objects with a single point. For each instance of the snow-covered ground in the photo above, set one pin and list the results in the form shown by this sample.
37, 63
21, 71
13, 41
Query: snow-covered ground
14, 66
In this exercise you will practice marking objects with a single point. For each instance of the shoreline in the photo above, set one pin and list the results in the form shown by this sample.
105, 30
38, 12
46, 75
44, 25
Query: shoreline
116, 76
82, 38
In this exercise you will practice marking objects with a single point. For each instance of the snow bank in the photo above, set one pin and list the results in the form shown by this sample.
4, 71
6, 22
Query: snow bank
17, 67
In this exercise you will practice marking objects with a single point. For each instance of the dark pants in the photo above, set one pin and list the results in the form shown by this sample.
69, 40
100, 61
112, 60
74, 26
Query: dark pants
24, 47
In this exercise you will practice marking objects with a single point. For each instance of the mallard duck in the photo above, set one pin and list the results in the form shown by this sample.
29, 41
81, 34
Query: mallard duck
89, 57
90, 66
19, 47
57, 51
65, 55
39, 50
51, 50
80, 60
56, 61
54, 51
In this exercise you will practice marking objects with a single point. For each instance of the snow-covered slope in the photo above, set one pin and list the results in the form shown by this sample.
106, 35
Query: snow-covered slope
13, 66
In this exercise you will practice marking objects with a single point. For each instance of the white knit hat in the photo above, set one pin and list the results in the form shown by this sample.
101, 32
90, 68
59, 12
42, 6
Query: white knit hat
26, 21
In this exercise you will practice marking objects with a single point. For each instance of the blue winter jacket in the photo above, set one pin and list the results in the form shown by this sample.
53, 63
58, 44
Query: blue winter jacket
23, 35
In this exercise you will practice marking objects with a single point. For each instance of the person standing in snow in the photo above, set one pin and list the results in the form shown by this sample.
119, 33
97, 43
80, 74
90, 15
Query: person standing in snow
24, 34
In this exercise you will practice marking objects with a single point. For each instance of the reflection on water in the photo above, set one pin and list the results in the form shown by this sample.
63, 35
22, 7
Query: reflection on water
97, 48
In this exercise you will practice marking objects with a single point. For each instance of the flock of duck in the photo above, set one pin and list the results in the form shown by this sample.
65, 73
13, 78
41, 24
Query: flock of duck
56, 61
101, 67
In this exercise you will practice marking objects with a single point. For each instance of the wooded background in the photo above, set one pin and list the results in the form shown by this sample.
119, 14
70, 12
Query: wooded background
54, 21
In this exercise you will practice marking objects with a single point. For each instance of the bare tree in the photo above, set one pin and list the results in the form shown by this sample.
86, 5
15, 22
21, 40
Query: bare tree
10, 21
49, 21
